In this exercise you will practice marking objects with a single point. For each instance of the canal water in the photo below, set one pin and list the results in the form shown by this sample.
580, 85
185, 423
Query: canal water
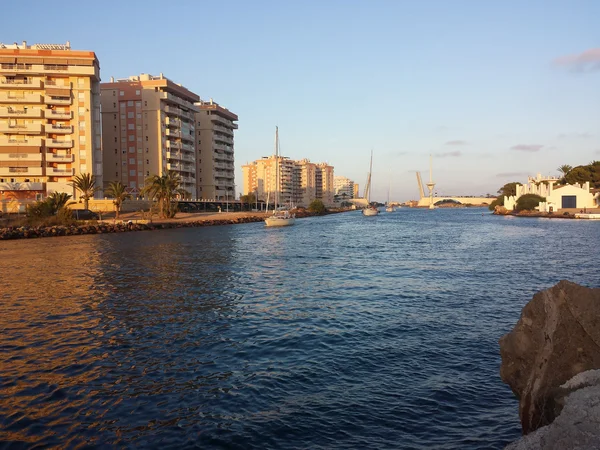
340, 332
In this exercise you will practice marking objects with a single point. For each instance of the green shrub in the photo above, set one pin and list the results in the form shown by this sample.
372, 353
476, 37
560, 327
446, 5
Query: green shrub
317, 206
529, 202
498, 202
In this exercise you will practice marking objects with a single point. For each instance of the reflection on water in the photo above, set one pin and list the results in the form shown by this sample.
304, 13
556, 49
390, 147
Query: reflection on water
338, 332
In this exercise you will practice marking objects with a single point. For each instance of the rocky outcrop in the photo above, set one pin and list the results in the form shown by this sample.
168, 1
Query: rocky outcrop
578, 424
28, 232
556, 338
501, 210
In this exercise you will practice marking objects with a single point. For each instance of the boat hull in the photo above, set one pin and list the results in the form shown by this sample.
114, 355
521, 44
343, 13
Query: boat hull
370, 212
279, 221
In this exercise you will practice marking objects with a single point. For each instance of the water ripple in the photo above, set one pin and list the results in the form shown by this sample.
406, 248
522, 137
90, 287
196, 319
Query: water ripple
339, 332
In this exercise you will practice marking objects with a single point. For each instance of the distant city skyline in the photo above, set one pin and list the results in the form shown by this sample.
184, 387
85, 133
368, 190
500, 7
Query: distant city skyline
495, 91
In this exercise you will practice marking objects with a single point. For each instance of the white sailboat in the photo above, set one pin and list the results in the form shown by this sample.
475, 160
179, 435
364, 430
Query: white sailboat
370, 210
388, 207
281, 215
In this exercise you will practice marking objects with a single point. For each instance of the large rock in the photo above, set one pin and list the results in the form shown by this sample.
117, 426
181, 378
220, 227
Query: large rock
556, 338
578, 424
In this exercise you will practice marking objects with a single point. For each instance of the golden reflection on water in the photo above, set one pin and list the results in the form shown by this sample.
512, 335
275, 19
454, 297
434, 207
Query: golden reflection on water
48, 306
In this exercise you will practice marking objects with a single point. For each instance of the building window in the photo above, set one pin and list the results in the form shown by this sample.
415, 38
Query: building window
115, 139
130, 115
145, 103
115, 151
129, 102
132, 173
138, 105
114, 105
122, 93
146, 138
131, 149
131, 126
137, 92
81, 96
114, 93
116, 174
147, 161
114, 116
147, 173
131, 160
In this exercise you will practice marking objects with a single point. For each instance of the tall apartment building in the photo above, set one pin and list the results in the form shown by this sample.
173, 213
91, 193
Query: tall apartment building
148, 127
343, 187
300, 182
49, 120
215, 162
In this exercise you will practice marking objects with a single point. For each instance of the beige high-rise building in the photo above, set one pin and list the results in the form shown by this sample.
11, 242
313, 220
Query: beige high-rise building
49, 121
148, 128
215, 164
343, 188
300, 181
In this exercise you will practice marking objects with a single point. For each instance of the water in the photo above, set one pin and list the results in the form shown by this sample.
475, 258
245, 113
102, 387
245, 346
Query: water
340, 332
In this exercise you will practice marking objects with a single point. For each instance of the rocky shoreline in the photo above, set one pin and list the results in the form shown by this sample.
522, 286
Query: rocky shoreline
123, 226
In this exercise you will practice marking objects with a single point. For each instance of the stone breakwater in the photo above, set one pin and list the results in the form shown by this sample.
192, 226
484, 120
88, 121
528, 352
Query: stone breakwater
103, 228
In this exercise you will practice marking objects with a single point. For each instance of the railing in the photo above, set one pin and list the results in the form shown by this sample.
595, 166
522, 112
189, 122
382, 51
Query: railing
59, 129
20, 66
59, 172
21, 128
18, 171
58, 143
55, 157
24, 84
26, 112
20, 156
53, 114
27, 98
29, 142
57, 100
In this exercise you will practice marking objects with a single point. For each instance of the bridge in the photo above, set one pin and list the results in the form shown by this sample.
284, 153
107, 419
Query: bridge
424, 201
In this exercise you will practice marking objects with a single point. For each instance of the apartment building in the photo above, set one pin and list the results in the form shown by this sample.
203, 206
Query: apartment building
215, 163
49, 121
343, 187
300, 182
148, 128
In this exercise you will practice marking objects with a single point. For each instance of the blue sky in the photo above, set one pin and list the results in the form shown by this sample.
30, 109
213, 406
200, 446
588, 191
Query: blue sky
495, 90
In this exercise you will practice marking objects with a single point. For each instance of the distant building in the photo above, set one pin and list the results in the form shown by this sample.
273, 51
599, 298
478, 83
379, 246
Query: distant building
300, 182
343, 188
148, 127
49, 121
215, 163
568, 196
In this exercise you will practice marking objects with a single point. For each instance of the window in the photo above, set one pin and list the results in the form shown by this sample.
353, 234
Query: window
114, 105
131, 137
138, 105
137, 92
130, 115
147, 150
129, 102
131, 149
80, 81
132, 173
82, 125
122, 116
115, 139
124, 151
114, 116
121, 93
117, 164
132, 184
131, 160
145, 126
147, 161
82, 139
115, 151
122, 105
81, 96
116, 174
145, 103
146, 138
114, 93
147, 173
81, 110
139, 116
131, 126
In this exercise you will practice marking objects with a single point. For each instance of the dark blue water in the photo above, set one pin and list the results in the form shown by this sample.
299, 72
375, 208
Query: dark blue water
340, 332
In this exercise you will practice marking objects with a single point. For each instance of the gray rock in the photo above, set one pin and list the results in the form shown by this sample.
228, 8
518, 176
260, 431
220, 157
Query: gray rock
578, 424
556, 338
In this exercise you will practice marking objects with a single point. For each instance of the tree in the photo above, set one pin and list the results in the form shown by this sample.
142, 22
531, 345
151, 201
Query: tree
581, 174
528, 202
165, 191
249, 198
317, 206
509, 189
86, 184
118, 191
58, 200
565, 169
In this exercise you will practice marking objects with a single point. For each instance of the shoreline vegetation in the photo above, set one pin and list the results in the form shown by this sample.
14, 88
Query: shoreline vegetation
133, 222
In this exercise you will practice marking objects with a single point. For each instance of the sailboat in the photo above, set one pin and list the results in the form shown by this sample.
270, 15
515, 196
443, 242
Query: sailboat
389, 208
281, 216
370, 210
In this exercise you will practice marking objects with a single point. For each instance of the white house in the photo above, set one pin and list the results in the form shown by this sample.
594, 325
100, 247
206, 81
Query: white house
560, 197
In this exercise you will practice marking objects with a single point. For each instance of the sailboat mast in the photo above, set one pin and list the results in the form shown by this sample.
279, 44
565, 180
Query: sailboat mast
276, 166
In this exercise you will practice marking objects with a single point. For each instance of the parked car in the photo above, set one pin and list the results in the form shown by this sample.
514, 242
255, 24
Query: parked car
84, 214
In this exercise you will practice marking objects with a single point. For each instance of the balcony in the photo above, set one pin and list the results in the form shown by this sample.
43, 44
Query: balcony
20, 113
170, 98
26, 98
21, 171
222, 129
173, 145
25, 186
216, 119
59, 129
57, 100
53, 171
173, 133
29, 142
55, 143
57, 157
172, 122
175, 156
26, 128
18, 156
21, 84
54, 114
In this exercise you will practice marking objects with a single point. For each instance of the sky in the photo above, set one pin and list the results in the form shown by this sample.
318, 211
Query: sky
495, 91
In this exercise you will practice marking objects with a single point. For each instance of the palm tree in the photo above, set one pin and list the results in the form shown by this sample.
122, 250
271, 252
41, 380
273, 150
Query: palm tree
116, 189
165, 190
57, 200
565, 169
86, 184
